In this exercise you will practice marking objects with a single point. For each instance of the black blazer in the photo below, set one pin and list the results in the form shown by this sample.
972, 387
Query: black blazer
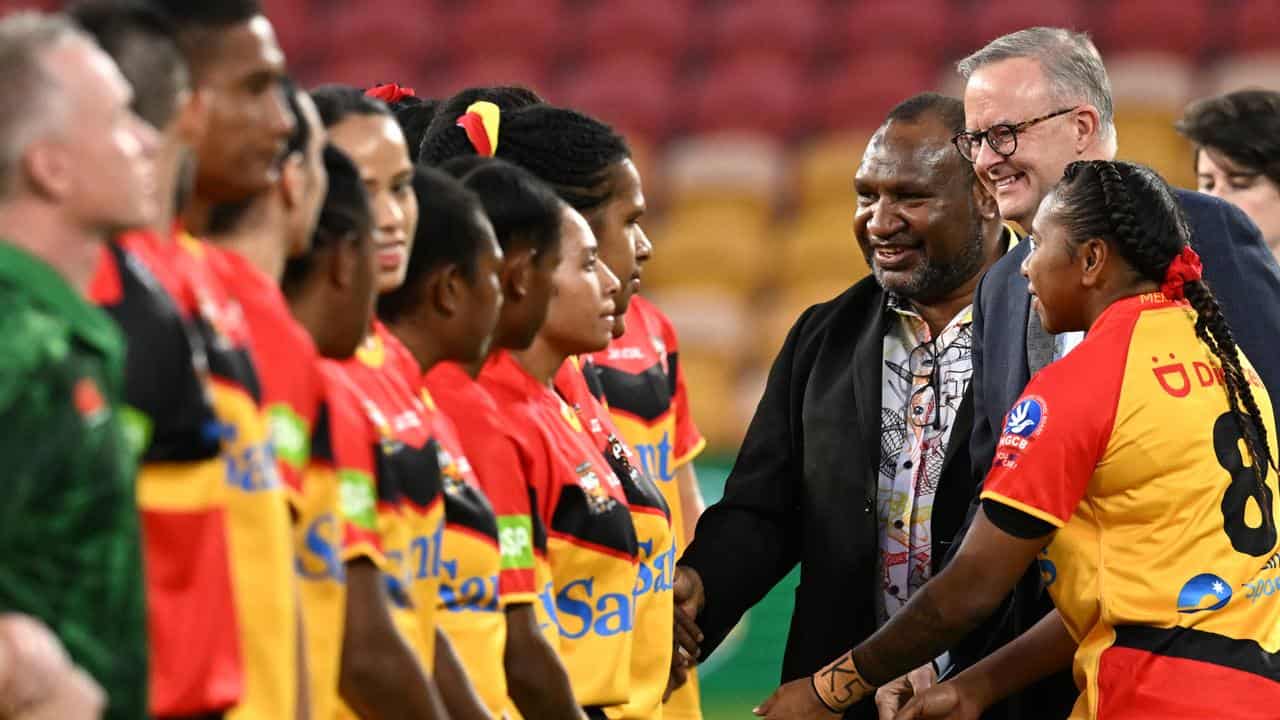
803, 490
1244, 276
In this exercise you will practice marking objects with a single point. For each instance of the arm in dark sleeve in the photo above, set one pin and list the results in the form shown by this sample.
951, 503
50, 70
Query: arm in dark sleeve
746, 542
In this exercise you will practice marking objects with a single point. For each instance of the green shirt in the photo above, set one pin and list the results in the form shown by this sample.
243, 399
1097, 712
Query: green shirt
70, 551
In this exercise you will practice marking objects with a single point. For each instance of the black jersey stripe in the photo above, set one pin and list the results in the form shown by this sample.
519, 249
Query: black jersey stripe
1190, 644
646, 394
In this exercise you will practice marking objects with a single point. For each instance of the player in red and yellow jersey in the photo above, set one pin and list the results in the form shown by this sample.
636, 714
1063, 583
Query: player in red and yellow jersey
526, 216
654, 608
1138, 467
195, 664
591, 546
446, 311
365, 130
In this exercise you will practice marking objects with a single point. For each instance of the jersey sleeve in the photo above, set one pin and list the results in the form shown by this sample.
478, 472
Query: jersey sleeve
689, 442
1055, 435
502, 476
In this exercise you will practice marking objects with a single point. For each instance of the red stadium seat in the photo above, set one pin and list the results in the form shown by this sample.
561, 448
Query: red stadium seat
923, 27
752, 94
1156, 25
754, 28
1255, 27
657, 29
633, 93
366, 70
990, 19
529, 29
860, 94
399, 32
495, 70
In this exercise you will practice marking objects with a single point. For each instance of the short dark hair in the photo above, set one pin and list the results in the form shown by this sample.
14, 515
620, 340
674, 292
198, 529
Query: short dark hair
448, 232
345, 215
337, 102
566, 149
196, 21
144, 44
207, 14
948, 110
525, 213
1244, 126
506, 97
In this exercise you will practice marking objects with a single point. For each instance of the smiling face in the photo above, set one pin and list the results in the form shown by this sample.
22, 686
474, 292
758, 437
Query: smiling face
917, 221
1254, 193
584, 291
1053, 274
1010, 92
376, 145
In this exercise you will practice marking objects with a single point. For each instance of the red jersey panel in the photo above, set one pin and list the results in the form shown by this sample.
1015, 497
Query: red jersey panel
1164, 563
495, 456
194, 664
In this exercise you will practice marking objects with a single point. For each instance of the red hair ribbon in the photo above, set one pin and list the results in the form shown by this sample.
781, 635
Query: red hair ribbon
1185, 268
481, 122
389, 92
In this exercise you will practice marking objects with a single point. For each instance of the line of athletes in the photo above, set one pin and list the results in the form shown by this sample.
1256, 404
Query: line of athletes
390, 414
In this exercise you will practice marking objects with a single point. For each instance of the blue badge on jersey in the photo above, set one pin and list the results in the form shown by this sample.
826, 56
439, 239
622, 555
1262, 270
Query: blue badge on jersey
1027, 417
1204, 592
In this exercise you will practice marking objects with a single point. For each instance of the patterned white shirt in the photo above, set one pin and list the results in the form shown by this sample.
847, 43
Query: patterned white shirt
924, 380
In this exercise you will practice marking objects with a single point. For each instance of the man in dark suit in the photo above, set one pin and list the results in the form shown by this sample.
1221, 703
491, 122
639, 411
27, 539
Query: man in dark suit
1036, 100
856, 464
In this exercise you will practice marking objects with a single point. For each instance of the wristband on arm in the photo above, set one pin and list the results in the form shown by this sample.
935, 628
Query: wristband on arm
840, 685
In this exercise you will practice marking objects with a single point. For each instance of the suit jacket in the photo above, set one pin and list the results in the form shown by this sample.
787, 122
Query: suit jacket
1244, 276
803, 490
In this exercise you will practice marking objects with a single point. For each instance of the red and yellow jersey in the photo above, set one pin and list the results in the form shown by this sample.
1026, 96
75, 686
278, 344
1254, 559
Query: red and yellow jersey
258, 511
410, 503
591, 541
148, 285
291, 394
639, 374
1164, 566
471, 610
654, 605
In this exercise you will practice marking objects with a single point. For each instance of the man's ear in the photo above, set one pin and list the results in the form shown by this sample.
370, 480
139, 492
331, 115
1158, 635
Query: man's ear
1087, 122
292, 181
192, 117
47, 170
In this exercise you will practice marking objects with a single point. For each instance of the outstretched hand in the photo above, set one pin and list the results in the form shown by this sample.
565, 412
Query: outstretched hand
947, 701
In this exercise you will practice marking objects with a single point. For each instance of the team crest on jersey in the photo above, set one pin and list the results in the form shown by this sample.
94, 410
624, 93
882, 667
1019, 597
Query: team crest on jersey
660, 348
1027, 418
598, 499
452, 470
1203, 593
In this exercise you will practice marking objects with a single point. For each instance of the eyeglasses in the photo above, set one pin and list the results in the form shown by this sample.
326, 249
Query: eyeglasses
923, 407
1003, 138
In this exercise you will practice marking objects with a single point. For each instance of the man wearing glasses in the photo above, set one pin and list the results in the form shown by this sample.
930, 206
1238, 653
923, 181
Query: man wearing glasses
855, 466
1036, 100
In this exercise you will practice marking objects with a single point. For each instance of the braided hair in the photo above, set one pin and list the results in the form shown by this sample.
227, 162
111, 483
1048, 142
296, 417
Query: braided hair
571, 152
1134, 208
506, 97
